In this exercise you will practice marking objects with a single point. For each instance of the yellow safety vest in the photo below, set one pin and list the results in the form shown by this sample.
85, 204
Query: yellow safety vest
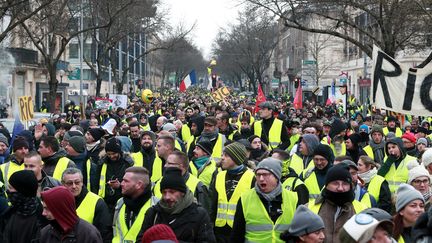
366, 200
291, 183
259, 226
156, 167
191, 183
8, 169
398, 132
87, 208
315, 207
146, 127
218, 148
61, 166
186, 133
227, 208
343, 151
311, 182
274, 133
374, 186
206, 173
293, 140
296, 163
369, 151
121, 231
401, 239
395, 177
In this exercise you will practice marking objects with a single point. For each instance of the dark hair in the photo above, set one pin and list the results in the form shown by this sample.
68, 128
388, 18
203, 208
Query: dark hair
398, 226
51, 142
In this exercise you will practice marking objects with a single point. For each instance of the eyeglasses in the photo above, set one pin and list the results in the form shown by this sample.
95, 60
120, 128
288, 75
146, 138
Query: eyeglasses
418, 182
71, 183
265, 175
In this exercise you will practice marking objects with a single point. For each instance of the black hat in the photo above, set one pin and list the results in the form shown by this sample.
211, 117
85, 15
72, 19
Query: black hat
206, 146
338, 172
113, 145
325, 151
423, 130
392, 118
25, 182
173, 179
18, 143
337, 127
97, 133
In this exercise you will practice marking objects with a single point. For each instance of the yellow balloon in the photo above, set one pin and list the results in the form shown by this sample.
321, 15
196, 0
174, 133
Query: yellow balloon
147, 96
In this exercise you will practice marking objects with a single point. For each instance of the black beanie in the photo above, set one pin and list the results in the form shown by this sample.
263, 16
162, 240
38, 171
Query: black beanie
113, 145
18, 143
325, 151
206, 146
337, 127
173, 179
338, 172
25, 182
97, 133
78, 144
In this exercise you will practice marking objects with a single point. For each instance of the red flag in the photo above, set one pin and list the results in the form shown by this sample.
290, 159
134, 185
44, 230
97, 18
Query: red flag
298, 99
260, 98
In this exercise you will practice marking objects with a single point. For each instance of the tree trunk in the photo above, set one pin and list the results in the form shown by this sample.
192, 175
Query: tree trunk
98, 85
53, 83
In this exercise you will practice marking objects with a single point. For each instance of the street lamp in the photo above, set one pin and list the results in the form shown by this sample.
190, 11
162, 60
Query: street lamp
61, 73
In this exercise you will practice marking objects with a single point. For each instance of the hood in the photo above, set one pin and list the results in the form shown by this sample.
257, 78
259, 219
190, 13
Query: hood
55, 157
399, 143
337, 127
199, 121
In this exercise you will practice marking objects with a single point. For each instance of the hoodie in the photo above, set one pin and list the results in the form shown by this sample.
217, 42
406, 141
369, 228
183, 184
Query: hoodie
391, 159
61, 204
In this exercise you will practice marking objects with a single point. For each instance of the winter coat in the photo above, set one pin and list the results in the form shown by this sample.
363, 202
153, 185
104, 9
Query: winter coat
82, 232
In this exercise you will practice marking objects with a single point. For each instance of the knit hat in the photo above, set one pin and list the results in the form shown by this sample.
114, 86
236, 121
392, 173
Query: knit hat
18, 143
236, 151
169, 127
338, 172
337, 127
406, 194
113, 145
50, 129
391, 118
422, 141
305, 222
377, 128
96, 133
391, 135
173, 179
311, 142
406, 124
325, 151
159, 233
272, 165
151, 134
355, 139
25, 182
360, 228
417, 172
423, 130
206, 146
252, 137
350, 164
3, 139
364, 127
78, 143
70, 134
409, 136
426, 158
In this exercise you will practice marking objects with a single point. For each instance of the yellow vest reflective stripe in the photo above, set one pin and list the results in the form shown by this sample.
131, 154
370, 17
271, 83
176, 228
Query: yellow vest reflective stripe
395, 177
156, 168
342, 152
374, 186
186, 133
274, 133
398, 132
88, 174
206, 173
87, 208
191, 183
102, 181
369, 151
8, 169
311, 183
358, 206
61, 166
218, 148
121, 232
289, 183
226, 209
259, 226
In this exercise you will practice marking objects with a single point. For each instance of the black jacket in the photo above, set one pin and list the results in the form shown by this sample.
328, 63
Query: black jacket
50, 163
284, 137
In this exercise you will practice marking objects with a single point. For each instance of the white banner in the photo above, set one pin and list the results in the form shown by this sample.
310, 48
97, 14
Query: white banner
397, 87
118, 100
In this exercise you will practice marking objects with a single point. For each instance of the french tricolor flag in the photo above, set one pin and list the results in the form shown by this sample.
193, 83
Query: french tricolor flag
189, 80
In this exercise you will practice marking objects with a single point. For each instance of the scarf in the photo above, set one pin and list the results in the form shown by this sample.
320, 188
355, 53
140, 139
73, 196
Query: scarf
210, 136
271, 195
199, 162
25, 206
338, 198
368, 175
427, 195
378, 150
236, 170
92, 145
180, 205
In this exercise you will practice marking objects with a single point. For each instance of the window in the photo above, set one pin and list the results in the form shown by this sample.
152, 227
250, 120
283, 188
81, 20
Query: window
73, 50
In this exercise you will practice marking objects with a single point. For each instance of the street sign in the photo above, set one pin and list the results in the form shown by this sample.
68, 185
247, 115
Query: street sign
75, 74
343, 80
309, 62
26, 108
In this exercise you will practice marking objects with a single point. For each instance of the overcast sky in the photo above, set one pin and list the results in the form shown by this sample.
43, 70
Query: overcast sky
209, 15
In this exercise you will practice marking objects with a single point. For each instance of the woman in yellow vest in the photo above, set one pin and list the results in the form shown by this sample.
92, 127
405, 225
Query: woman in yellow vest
306, 227
409, 207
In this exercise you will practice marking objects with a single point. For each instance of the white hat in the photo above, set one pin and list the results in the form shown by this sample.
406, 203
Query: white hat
427, 157
109, 126
417, 172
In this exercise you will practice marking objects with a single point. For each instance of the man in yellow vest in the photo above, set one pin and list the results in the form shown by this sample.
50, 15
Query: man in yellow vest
180, 160
147, 155
375, 149
271, 130
226, 188
89, 206
202, 165
33, 162
264, 212
54, 159
20, 148
177, 209
226, 128
391, 127
337, 138
302, 158
132, 207
135, 136
336, 204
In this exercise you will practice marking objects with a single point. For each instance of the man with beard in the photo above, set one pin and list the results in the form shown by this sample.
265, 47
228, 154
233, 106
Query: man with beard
23, 220
90, 206
202, 165
211, 134
111, 170
375, 149
391, 127
55, 159
336, 203
314, 178
196, 125
135, 136
226, 128
302, 159
147, 156
337, 138
271, 130
20, 148
94, 144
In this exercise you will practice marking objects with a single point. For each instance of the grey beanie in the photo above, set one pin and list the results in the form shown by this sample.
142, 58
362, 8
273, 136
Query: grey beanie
3, 139
423, 141
69, 134
272, 165
406, 194
311, 142
78, 143
305, 222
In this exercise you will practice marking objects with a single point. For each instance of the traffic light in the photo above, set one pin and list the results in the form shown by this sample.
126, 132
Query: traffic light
296, 82
214, 79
